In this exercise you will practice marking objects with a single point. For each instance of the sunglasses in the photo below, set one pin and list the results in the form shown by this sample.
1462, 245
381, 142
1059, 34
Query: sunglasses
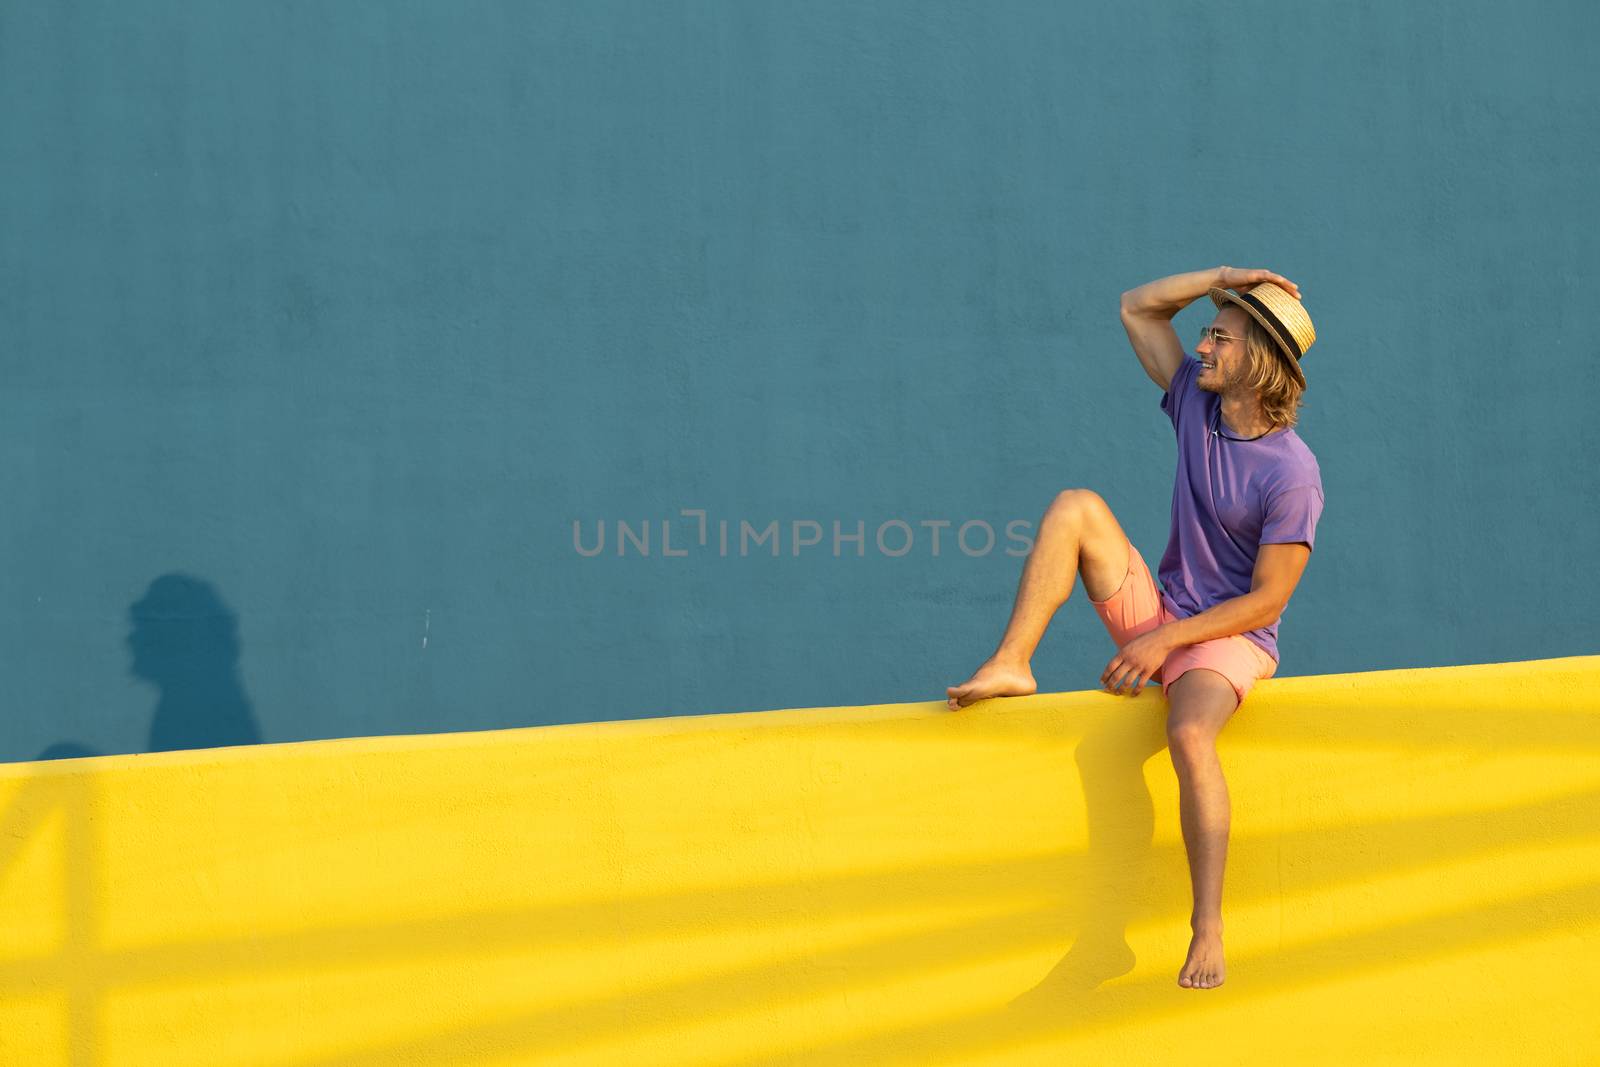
1216, 336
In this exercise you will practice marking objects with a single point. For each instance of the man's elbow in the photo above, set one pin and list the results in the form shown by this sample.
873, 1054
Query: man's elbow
1277, 603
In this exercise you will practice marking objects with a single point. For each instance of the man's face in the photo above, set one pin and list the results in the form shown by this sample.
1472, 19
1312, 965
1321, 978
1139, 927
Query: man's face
1228, 356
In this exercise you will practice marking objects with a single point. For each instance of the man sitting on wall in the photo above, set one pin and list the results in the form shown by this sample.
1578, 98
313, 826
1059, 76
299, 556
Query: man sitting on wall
1245, 506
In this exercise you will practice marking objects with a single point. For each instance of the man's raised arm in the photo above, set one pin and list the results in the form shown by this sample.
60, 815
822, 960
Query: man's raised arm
1148, 310
1147, 316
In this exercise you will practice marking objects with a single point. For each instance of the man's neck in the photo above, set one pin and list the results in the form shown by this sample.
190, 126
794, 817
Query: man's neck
1243, 417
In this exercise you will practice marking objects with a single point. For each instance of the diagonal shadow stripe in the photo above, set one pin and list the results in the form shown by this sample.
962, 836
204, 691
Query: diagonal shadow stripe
1384, 949
1341, 856
570, 1027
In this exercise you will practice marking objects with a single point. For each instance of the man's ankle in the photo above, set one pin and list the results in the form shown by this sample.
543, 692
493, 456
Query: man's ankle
1006, 657
1208, 925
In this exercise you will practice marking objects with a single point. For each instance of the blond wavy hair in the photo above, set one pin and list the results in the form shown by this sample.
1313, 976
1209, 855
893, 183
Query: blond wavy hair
1264, 371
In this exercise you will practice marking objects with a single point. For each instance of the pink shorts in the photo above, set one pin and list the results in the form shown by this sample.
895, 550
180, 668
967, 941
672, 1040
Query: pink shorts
1138, 607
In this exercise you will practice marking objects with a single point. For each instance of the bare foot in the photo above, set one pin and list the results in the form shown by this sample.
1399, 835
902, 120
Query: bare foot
996, 678
1203, 969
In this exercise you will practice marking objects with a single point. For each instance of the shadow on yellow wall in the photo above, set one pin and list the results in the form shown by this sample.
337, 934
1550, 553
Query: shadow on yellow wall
1413, 875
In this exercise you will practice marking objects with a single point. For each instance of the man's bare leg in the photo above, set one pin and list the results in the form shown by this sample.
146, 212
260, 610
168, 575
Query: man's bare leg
1199, 705
1077, 532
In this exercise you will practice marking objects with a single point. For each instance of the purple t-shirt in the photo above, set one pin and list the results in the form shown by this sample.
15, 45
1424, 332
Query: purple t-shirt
1230, 498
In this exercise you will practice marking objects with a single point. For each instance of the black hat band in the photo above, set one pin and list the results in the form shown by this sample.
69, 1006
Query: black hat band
1284, 335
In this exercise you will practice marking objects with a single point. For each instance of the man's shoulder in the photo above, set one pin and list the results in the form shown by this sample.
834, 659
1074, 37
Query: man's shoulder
1301, 456
1294, 464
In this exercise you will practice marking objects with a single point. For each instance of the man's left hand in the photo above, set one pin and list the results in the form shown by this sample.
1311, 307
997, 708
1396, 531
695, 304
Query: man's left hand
1136, 661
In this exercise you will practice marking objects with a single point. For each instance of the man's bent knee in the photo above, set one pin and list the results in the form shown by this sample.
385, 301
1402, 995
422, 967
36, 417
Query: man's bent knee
1077, 500
1104, 552
1083, 508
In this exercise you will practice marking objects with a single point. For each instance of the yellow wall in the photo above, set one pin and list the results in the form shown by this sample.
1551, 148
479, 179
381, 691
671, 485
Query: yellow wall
1413, 875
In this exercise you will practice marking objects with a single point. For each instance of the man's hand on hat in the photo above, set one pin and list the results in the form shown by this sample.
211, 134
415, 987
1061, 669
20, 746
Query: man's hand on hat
1239, 279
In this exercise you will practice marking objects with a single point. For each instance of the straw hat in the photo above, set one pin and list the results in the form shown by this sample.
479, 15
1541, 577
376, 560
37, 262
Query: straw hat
1280, 314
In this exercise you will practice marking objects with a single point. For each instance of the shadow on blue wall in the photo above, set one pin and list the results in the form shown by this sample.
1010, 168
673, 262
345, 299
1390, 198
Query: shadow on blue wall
185, 641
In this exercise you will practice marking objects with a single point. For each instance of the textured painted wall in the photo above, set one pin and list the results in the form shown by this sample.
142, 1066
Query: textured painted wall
1412, 878
323, 323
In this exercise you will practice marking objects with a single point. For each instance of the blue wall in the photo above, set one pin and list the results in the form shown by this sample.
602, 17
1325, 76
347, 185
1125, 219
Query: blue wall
323, 323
